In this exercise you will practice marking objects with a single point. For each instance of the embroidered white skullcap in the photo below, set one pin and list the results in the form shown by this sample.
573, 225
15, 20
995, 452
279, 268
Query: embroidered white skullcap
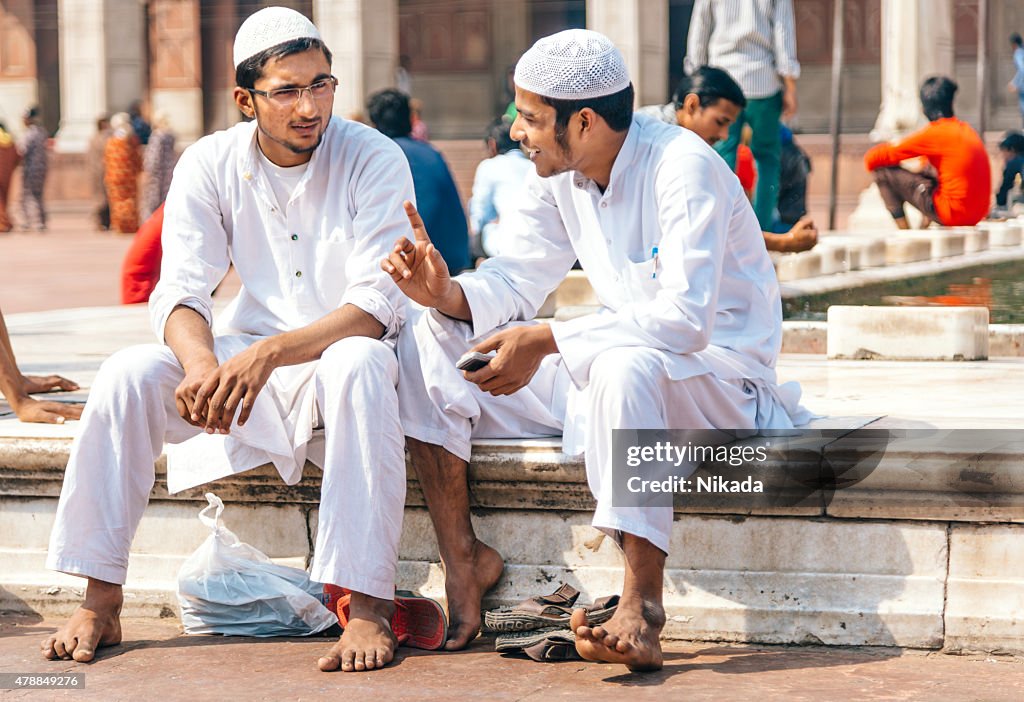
572, 65
269, 27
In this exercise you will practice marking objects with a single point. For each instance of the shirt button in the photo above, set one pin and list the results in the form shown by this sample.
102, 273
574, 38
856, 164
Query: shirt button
298, 274
295, 237
604, 204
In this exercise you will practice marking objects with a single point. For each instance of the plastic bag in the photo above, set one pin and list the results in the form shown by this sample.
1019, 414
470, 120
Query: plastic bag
229, 587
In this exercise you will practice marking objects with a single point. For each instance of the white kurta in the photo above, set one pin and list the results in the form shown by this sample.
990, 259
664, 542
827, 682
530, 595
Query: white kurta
687, 337
710, 298
296, 266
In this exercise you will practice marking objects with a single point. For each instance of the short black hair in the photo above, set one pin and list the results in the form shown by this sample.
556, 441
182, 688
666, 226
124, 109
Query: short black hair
251, 70
390, 113
710, 84
937, 97
1013, 141
1016, 39
501, 131
615, 109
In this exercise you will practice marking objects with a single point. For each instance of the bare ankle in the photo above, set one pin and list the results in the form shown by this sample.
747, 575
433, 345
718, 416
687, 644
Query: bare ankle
104, 596
366, 606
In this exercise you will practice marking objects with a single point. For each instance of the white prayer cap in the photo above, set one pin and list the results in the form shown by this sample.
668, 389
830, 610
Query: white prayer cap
269, 27
572, 65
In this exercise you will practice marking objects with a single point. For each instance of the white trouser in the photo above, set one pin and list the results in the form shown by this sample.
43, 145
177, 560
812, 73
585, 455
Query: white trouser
131, 413
629, 389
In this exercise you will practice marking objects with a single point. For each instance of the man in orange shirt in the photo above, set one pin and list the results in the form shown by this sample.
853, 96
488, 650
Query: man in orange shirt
956, 189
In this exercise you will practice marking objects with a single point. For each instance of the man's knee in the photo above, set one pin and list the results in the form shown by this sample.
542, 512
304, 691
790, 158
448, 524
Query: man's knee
137, 366
358, 356
626, 370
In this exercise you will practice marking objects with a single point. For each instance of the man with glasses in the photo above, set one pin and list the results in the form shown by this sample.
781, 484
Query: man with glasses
304, 206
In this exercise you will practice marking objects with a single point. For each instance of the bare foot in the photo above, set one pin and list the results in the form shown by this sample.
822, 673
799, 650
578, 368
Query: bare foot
367, 641
96, 623
630, 637
465, 583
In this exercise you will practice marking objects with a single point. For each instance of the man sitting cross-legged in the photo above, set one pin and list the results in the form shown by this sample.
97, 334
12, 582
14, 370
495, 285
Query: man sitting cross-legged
304, 205
687, 339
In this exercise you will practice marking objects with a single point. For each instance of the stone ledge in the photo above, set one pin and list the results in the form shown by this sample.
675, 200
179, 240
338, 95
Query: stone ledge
895, 470
804, 337
908, 333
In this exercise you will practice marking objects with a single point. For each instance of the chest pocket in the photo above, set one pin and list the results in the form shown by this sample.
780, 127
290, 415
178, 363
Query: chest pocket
642, 279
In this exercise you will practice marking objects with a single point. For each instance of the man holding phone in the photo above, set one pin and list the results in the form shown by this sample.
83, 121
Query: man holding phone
687, 337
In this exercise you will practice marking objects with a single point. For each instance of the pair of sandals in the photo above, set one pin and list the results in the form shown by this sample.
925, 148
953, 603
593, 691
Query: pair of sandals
539, 626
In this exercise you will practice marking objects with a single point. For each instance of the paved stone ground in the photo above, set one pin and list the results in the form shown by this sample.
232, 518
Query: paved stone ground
69, 265
156, 662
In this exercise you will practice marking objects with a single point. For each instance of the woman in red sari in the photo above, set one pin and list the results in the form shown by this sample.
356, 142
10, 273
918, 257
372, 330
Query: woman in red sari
123, 163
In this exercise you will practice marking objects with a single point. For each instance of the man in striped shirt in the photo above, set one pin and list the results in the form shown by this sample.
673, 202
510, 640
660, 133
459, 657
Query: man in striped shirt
755, 41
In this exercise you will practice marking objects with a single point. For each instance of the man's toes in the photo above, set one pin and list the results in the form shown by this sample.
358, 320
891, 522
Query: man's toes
47, 648
348, 658
623, 646
609, 641
384, 656
598, 633
329, 663
360, 660
58, 647
578, 621
83, 653
460, 639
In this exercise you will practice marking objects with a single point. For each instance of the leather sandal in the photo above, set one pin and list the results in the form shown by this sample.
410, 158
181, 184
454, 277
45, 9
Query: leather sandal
418, 622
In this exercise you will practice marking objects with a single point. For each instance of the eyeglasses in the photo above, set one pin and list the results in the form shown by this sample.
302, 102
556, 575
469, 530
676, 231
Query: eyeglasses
287, 97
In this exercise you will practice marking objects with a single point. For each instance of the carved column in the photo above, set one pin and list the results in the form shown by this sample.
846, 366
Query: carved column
174, 69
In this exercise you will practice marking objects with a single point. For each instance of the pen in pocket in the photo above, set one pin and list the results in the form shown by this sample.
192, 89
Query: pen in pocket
654, 267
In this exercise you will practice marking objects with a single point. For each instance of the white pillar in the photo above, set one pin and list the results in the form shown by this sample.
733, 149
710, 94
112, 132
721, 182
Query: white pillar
102, 64
363, 36
917, 42
640, 29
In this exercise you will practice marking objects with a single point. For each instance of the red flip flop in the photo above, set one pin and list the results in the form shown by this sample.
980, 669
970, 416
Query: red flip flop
418, 622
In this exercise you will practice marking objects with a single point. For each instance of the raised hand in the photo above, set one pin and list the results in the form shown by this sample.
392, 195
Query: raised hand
417, 266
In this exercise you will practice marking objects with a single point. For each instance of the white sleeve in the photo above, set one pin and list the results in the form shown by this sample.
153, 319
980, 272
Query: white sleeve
534, 260
698, 37
376, 196
195, 247
784, 28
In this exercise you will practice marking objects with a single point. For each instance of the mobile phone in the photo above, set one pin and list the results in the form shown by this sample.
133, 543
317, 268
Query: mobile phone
473, 360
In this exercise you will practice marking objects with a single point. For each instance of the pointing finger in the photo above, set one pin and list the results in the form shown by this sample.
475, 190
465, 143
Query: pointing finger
418, 228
